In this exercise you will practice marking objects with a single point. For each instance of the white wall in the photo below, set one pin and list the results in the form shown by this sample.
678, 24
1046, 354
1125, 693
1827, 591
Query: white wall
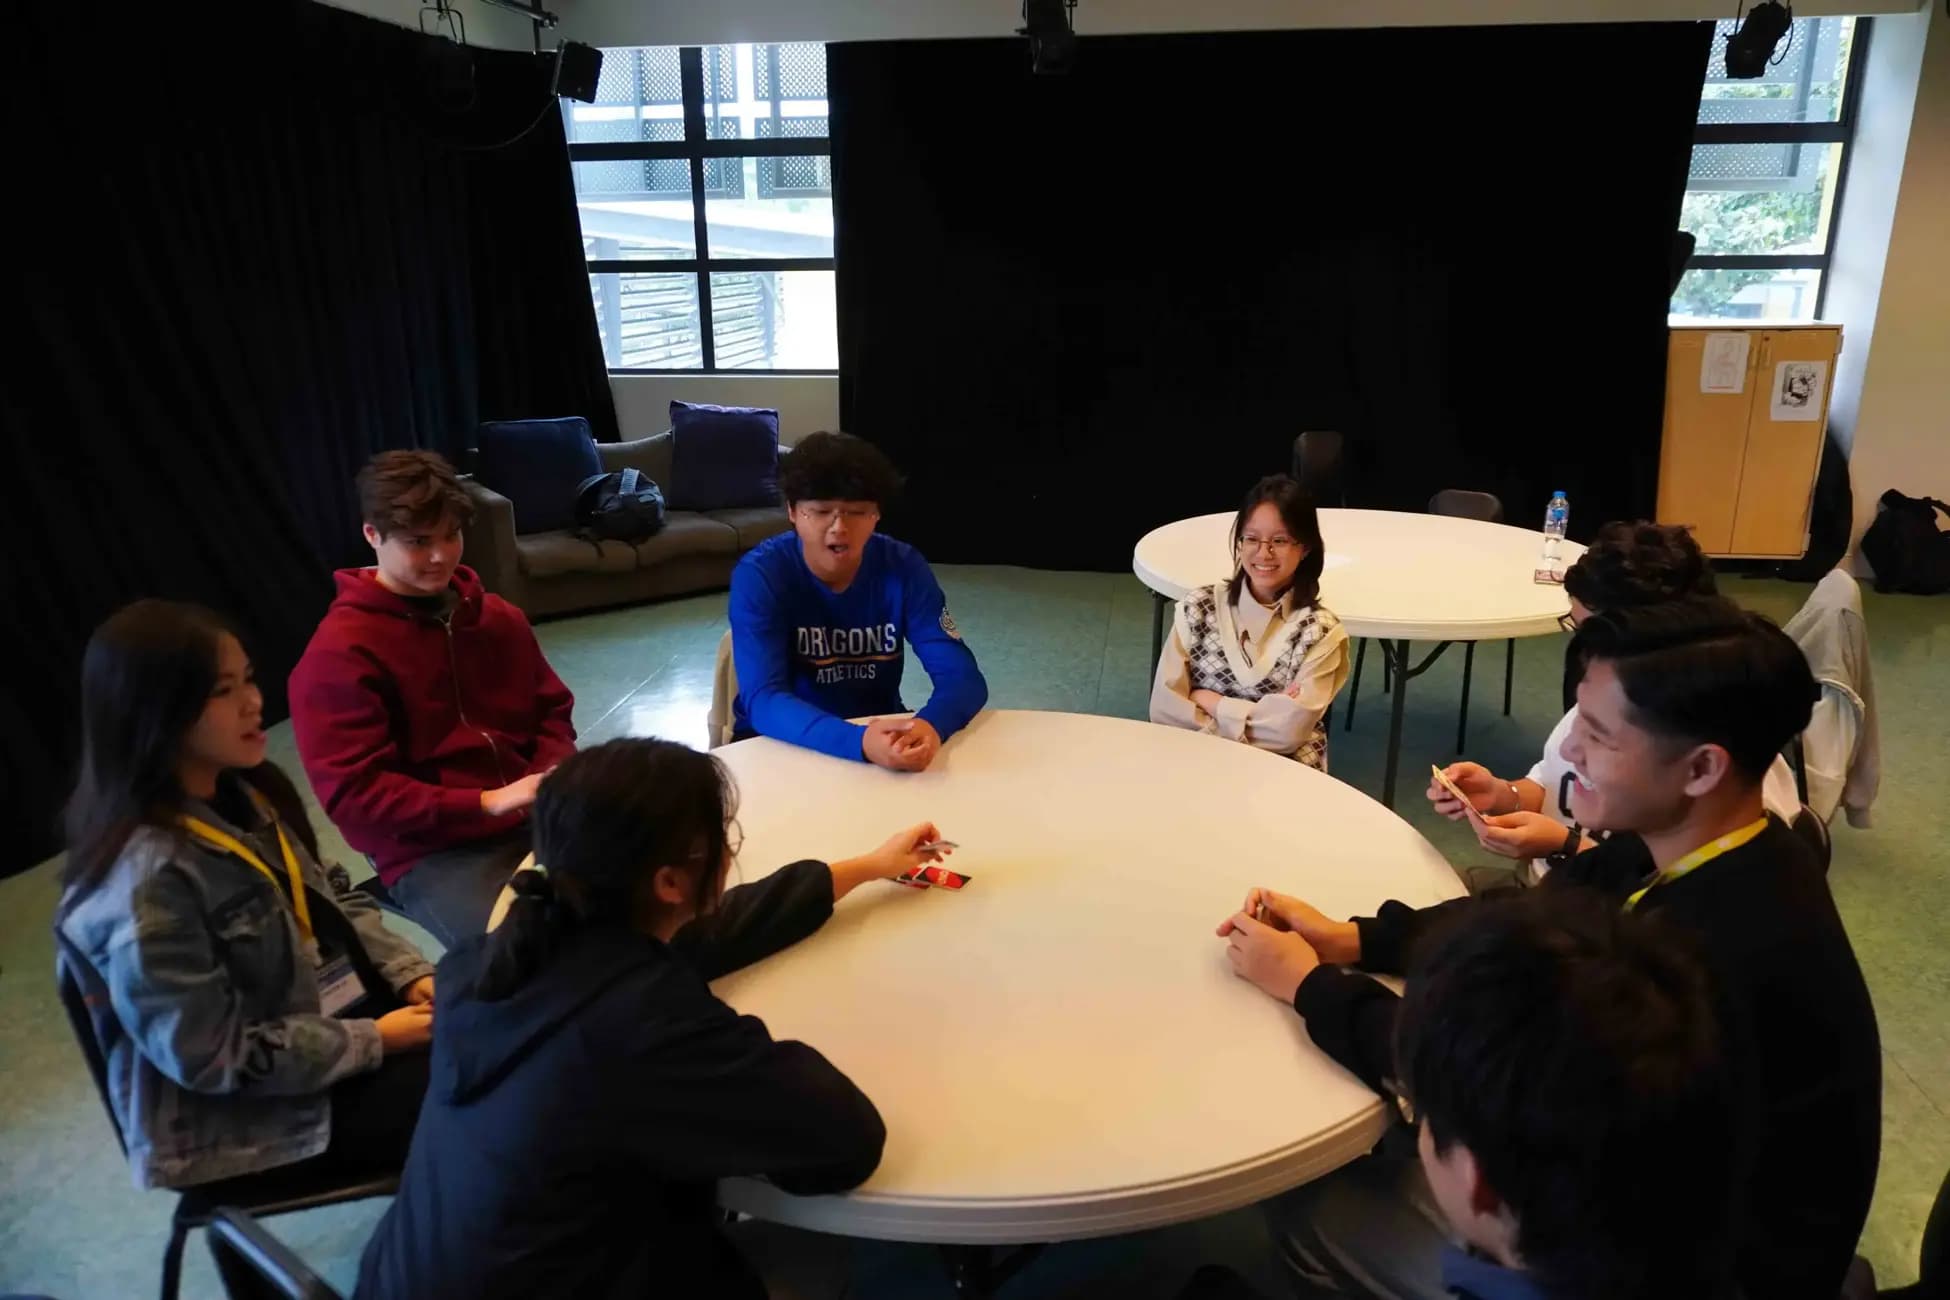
705, 22
487, 26
1901, 433
805, 403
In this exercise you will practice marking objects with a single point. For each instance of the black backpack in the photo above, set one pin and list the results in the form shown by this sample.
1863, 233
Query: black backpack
1905, 546
620, 507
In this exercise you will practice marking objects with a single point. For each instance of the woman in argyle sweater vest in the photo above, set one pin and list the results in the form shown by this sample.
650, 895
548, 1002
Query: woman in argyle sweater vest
1257, 659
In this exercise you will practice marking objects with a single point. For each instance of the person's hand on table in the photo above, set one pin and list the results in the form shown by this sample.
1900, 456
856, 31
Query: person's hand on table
906, 851
1521, 835
918, 745
883, 745
1337, 943
1209, 701
419, 992
1488, 793
1275, 960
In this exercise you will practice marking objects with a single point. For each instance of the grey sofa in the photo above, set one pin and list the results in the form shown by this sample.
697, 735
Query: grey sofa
559, 572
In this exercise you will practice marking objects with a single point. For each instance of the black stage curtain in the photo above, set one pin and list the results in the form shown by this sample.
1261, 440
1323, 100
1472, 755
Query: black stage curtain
1075, 307
262, 240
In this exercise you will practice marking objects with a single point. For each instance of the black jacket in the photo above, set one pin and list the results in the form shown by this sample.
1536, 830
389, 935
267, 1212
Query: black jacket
573, 1132
1797, 1007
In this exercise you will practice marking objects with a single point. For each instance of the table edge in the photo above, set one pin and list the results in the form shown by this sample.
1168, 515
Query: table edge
1016, 1221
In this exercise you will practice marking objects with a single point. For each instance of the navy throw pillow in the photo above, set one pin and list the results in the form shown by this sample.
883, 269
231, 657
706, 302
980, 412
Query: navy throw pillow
538, 465
723, 457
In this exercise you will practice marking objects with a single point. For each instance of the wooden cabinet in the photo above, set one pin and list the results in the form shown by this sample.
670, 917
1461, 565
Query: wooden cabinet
1738, 468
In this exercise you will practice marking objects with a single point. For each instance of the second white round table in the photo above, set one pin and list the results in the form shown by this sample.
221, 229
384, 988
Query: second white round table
1391, 575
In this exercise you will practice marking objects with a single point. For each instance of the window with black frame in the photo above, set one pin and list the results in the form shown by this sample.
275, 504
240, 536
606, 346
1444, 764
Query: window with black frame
1767, 173
704, 184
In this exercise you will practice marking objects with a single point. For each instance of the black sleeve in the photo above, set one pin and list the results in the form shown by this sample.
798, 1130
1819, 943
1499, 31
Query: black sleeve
1351, 1017
717, 1097
1615, 867
754, 921
1389, 937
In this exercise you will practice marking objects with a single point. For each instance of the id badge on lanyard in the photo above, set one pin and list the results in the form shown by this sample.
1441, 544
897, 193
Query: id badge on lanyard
339, 986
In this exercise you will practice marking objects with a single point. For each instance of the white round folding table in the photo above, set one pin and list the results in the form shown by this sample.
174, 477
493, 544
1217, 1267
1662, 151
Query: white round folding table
1394, 576
1061, 1050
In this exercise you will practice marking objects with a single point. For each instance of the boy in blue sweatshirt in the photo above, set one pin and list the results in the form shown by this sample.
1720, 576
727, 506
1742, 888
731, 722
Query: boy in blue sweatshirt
819, 617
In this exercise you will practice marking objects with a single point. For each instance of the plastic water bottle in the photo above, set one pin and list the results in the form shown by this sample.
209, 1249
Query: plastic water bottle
1557, 518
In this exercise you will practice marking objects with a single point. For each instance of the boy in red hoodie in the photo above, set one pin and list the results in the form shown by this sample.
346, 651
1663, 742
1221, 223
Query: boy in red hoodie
424, 711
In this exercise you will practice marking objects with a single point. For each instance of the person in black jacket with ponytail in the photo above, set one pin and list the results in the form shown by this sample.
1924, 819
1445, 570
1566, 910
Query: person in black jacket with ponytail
587, 1088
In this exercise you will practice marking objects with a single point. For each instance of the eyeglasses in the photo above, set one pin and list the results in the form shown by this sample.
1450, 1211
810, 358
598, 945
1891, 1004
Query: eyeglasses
1277, 545
826, 514
1569, 622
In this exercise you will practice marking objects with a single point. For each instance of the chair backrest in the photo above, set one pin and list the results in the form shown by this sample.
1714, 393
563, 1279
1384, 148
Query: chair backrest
1317, 464
1460, 503
1814, 831
724, 689
85, 1000
255, 1265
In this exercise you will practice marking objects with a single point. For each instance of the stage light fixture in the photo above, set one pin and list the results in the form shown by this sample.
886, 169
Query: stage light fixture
1751, 47
1051, 29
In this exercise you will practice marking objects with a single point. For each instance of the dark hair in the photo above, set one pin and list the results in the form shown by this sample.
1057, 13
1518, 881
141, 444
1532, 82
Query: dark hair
146, 677
838, 467
604, 821
1296, 510
1705, 671
411, 489
1639, 564
1573, 1049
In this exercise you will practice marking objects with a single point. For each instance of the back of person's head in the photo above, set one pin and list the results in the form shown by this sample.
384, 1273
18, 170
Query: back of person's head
1572, 1052
606, 823
146, 677
1302, 523
400, 490
838, 467
1637, 563
1703, 671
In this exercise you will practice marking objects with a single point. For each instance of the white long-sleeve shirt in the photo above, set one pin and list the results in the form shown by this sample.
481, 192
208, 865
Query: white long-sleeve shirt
1280, 722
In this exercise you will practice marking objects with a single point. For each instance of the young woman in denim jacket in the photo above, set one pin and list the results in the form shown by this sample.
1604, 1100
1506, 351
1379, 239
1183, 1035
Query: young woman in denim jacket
253, 1010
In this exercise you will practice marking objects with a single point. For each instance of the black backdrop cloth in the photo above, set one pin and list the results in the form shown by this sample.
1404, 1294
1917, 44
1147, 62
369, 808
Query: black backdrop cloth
1075, 307
255, 242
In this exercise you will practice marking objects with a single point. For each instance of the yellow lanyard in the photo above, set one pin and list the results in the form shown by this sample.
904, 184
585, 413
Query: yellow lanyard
231, 844
1699, 857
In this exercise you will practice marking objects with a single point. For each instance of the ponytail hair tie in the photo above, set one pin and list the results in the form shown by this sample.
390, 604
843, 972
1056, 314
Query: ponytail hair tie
533, 882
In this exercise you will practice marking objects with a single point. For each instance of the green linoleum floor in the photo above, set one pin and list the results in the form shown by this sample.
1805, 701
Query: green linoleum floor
71, 1226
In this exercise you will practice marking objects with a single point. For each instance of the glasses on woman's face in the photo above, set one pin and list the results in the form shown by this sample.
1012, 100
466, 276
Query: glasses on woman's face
1569, 622
1279, 545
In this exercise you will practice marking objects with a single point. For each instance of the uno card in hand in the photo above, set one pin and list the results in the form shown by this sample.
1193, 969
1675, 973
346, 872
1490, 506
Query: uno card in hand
1455, 792
925, 876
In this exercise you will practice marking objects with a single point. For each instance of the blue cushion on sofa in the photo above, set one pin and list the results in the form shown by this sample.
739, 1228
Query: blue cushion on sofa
723, 457
538, 465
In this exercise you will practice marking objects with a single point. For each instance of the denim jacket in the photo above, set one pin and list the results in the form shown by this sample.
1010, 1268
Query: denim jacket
219, 1060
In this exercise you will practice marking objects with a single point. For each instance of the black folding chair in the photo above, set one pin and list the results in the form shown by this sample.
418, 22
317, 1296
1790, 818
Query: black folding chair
254, 1265
275, 1191
1814, 831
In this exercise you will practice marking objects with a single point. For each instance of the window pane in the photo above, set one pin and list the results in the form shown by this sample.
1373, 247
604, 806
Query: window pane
639, 208
1747, 295
639, 95
1805, 86
790, 215
758, 92
774, 320
648, 321
1760, 198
